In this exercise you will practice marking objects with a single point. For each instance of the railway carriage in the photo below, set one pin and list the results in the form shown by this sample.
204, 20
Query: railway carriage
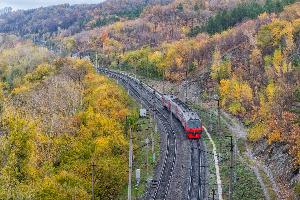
189, 119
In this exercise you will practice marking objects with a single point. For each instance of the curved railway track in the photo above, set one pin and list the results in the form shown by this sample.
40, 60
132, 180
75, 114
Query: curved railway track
159, 188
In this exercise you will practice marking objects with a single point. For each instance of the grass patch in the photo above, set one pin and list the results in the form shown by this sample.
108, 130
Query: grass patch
268, 184
144, 129
245, 184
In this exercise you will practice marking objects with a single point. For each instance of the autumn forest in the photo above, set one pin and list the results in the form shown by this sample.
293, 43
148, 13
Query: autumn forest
58, 115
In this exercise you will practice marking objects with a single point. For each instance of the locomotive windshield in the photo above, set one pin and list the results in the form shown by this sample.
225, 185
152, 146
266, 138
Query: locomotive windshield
194, 123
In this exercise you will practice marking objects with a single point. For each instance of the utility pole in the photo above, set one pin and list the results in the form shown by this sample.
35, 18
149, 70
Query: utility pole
147, 68
93, 180
217, 98
130, 165
213, 194
96, 59
126, 126
152, 138
163, 82
147, 155
219, 118
199, 171
60, 50
171, 117
210, 121
186, 85
150, 109
154, 106
231, 169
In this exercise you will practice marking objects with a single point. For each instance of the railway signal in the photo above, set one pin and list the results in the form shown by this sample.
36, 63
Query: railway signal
138, 176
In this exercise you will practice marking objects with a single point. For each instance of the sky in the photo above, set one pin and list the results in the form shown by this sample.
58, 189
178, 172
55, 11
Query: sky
27, 4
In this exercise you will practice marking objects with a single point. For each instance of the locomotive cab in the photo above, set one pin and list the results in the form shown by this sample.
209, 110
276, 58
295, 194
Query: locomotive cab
194, 128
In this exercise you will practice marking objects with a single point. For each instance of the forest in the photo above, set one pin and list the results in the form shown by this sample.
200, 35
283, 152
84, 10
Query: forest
56, 112
57, 119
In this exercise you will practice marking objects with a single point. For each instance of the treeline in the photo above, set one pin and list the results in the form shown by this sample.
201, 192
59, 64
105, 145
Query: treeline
68, 19
58, 117
228, 18
46, 20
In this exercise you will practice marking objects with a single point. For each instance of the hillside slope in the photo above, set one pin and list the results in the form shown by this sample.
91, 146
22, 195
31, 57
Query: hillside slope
55, 123
246, 53
69, 19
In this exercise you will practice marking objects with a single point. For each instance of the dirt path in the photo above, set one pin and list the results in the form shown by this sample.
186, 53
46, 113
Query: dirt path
217, 167
239, 131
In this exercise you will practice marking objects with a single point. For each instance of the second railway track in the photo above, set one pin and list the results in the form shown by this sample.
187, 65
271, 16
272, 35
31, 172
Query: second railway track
197, 171
160, 187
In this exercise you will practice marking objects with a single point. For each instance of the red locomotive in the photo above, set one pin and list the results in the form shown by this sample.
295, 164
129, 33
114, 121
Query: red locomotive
189, 120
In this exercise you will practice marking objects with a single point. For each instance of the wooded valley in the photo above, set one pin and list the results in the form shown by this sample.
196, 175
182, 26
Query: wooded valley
57, 113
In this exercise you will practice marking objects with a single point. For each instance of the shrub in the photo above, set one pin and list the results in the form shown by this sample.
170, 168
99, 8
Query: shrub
257, 132
42, 71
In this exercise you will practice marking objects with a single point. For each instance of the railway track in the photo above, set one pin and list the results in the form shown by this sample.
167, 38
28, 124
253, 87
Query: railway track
159, 188
198, 171
195, 171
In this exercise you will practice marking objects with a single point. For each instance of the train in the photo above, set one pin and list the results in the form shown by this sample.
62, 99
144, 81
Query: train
189, 120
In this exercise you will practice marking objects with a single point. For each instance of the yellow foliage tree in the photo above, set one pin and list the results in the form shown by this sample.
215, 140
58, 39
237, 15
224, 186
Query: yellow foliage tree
220, 69
258, 131
70, 44
274, 33
19, 150
235, 95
